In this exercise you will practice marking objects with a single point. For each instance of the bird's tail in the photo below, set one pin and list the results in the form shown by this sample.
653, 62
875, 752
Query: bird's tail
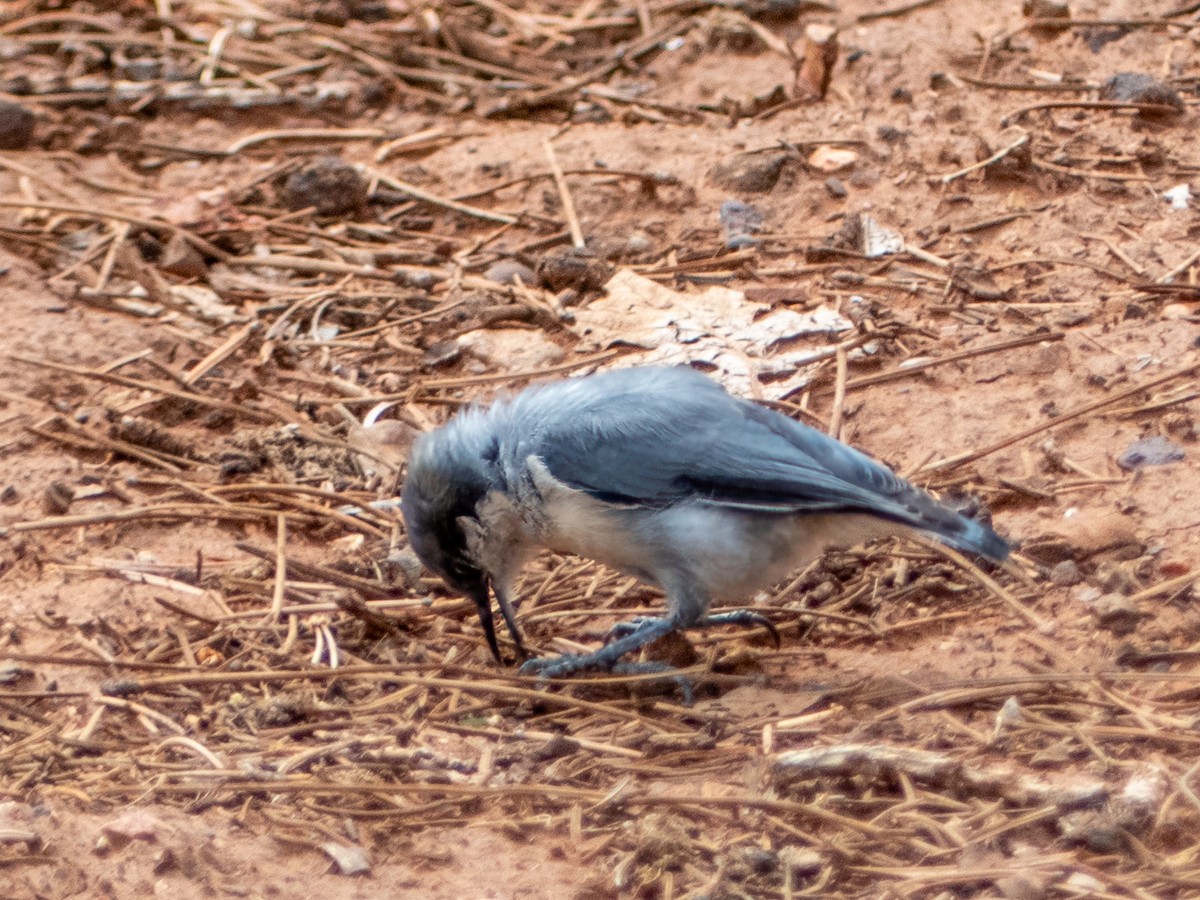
973, 537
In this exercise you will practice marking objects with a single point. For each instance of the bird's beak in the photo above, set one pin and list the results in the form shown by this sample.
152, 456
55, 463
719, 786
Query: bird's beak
478, 592
510, 618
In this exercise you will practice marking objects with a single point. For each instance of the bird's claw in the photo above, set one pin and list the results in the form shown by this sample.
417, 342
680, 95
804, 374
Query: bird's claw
546, 668
625, 629
744, 617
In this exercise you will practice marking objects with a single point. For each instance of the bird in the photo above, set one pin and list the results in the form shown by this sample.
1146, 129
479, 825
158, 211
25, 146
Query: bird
657, 472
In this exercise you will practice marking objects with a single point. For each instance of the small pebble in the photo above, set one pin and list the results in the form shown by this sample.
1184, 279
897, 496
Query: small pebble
1066, 574
507, 271
835, 188
1117, 613
179, 257
1138, 87
752, 173
329, 184
16, 126
1151, 451
56, 499
740, 221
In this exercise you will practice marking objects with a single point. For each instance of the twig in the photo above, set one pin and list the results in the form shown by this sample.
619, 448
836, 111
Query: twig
189, 396
839, 396
983, 164
1160, 109
304, 134
896, 11
564, 194
904, 371
221, 353
277, 592
425, 196
152, 224
954, 462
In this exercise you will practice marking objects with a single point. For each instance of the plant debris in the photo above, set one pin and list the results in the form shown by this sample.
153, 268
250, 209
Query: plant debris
250, 250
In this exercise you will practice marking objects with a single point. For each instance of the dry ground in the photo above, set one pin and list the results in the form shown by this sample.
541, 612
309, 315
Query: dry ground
192, 336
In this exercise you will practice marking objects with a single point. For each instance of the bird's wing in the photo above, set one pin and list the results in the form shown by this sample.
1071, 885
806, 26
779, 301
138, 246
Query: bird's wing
684, 437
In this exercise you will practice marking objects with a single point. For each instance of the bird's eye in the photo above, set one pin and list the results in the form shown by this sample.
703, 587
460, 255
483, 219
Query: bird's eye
491, 452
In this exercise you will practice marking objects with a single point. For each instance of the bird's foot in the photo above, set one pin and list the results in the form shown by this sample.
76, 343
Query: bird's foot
570, 666
744, 617
604, 659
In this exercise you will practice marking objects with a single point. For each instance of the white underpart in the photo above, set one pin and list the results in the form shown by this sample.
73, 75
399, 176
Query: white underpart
724, 552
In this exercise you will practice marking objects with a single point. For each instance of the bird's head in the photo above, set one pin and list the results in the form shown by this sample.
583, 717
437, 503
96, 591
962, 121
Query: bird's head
448, 475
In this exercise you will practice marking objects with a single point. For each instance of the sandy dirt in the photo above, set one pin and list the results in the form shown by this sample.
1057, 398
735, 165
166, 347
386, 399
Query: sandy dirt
200, 307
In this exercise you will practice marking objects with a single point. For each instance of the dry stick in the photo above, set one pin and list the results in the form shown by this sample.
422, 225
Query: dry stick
1155, 108
953, 462
419, 391
992, 585
299, 134
1085, 173
839, 396
564, 194
983, 164
623, 56
1182, 267
327, 266
221, 353
896, 11
903, 371
84, 441
320, 573
1165, 587
165, 511
125, 381
152, 224
1035, 87
277, 676
1108, 23
529, 735
596, 798
413, 191
280, 570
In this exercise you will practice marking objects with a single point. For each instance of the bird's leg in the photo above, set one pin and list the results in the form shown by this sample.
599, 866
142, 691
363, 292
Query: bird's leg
607, 657
744, 617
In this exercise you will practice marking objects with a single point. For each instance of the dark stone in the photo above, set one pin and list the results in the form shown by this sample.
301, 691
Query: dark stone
571, 268
180, 258
1066, 573
1138, 87
329, 184
751, 173
16, 126
835, 188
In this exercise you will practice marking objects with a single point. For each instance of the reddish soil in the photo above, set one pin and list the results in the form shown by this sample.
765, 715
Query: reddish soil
162, 734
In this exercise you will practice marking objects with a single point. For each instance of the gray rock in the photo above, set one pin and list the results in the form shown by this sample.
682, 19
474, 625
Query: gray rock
1151, 451
1066, 574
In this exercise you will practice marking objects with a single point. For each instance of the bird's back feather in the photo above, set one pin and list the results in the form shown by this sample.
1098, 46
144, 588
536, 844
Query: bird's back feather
660, 436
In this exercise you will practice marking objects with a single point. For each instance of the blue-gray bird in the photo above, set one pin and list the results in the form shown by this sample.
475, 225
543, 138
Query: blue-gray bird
660, 474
